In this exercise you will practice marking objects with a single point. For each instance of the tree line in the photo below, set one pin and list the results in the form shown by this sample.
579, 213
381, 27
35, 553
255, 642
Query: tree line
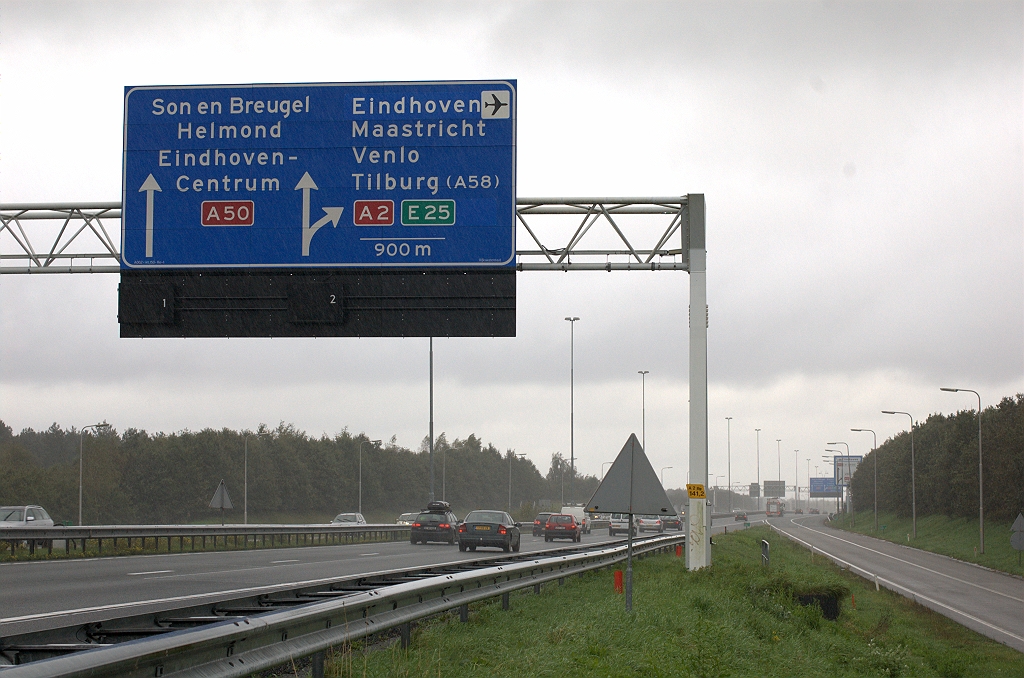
141, 478
946, 465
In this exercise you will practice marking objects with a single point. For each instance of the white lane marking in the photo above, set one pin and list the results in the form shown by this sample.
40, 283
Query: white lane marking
278, 562
368, 554
901, 560
914, 594
135, 574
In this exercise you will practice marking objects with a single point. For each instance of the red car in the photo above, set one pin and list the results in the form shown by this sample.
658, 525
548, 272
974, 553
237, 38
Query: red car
562, 526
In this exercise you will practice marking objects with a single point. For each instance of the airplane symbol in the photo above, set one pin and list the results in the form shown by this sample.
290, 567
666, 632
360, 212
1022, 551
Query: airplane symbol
496, 104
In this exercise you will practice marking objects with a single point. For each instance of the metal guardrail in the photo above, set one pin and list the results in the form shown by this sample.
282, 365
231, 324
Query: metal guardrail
246, 645
256, 535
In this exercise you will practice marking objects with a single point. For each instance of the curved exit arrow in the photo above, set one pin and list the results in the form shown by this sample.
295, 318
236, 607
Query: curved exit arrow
306, 184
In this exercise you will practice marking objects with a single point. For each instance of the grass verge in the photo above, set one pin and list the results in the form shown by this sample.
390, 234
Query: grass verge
735, 618
955, 537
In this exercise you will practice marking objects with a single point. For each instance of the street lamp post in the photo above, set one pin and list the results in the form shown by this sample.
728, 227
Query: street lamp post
874, 456
245, 475
778, 451
848, 494
728, 455
796, 475
981, 503
361, 443
913, 478
835, 470
663, 474
511, 456
81, 447
807, 504
757, 431
572, 403
643, 408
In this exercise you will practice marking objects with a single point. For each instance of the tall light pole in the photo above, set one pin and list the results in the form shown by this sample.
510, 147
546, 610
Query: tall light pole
431, 431
835, 472
807, 504
511, 456
361, 443
572, 403
643, 407
778, 451
663, 474
81, 447
757, 432
796, 474
913, 478
848, 494
245, 475
981, 503
728, 455
874, 456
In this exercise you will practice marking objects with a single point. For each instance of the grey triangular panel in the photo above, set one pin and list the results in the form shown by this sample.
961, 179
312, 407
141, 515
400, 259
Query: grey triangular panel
221, 500
1018, 525
613, 496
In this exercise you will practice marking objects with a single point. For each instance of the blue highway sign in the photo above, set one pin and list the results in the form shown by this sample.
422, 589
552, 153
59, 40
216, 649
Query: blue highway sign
331, 175
824, 487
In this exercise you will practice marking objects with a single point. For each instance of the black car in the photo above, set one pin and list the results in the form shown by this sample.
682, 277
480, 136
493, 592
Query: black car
436, 523
489, 528
739, 515
539, 522
672, 522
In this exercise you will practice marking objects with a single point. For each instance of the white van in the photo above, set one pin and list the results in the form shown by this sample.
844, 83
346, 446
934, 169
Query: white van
582, 517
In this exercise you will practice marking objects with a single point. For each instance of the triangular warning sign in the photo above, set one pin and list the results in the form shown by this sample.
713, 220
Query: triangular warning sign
613, 494
1018, 525
221, 500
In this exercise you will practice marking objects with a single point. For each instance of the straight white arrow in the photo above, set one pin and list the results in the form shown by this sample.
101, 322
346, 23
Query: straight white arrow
149, 185
306, 184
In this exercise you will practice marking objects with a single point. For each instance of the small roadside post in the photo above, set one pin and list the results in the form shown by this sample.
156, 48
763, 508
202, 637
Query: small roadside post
765, 553
221, 500
632, 487
1017, 538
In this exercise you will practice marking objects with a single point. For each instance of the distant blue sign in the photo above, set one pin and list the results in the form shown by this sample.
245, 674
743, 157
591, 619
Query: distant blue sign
358, 175
824, 487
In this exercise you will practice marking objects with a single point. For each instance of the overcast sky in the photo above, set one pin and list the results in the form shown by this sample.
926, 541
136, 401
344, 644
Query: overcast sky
862, 165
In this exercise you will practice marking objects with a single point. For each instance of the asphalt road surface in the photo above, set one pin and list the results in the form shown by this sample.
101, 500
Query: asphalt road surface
43, 594
991, 603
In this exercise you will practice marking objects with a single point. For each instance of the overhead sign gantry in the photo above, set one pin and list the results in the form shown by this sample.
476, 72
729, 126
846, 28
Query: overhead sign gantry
351, 209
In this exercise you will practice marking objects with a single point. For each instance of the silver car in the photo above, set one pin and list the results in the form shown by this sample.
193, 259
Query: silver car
24, 516
349, 519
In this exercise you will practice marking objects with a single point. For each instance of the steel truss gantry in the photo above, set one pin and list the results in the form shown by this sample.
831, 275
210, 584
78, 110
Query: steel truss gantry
559, 234
563, 234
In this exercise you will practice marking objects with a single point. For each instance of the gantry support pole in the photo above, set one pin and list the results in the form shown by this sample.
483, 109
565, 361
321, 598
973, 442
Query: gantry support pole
698, 517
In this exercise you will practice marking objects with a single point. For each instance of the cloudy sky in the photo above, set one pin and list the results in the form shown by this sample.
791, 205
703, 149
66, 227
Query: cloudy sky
862, 165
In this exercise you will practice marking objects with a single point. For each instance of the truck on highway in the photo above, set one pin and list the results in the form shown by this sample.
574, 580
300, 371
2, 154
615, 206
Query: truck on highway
775, 507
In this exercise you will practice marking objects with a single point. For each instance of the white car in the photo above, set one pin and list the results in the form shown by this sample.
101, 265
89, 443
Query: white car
24, 516
349, 519
582, 517
619, 523
650, 524
407, 518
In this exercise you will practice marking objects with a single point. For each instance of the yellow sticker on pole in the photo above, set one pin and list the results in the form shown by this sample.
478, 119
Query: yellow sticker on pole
695, 491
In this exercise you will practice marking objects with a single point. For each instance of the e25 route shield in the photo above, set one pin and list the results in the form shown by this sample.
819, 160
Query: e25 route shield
330, 175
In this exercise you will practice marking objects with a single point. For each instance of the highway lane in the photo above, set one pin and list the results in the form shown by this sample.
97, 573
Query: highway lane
39, 594
991, 603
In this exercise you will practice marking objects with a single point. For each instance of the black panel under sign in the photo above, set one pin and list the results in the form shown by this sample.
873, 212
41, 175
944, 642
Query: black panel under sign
318, 304
315, 302
146, 304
